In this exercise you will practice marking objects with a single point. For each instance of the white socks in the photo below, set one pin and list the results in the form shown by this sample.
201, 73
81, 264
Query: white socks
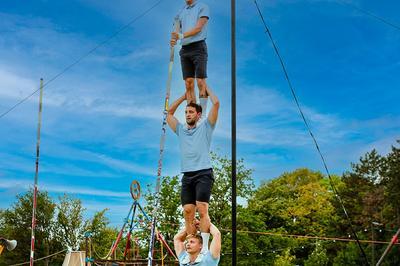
206, 237
203, 104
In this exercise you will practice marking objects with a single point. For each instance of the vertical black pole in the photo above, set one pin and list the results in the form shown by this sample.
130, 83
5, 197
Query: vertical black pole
233, 76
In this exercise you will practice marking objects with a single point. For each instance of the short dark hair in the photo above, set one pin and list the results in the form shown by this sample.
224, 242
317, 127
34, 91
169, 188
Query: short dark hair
196, 106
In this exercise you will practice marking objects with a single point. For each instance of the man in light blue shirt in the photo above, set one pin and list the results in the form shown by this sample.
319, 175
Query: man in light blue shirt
188, 248
194, 141
193, 20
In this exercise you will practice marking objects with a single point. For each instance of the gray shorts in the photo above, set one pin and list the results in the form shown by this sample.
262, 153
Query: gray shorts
194, 60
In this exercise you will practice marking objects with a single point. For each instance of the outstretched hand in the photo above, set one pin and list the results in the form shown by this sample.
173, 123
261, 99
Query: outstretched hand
196, 224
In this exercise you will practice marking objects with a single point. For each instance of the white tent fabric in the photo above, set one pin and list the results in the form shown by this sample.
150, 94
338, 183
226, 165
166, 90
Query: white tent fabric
74, 258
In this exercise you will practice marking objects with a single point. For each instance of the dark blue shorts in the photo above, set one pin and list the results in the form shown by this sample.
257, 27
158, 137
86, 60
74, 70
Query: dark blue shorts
196, 186
194, 58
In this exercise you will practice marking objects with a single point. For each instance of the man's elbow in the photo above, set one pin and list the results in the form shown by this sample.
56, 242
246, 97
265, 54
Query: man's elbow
179, 237
197, 29
215, 232
216, 103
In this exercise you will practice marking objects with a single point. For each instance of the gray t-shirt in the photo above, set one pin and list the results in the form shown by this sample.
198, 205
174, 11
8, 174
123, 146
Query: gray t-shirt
202, 260
188, 18
195, 145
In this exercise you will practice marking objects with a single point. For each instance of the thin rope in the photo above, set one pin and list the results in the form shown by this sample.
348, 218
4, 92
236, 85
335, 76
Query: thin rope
294, 235
310, 132
371, 15
123, 28
43, 258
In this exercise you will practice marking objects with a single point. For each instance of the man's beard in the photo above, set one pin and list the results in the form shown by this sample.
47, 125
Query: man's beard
191, 122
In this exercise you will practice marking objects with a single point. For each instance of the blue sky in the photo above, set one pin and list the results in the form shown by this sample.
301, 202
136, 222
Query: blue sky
102, 118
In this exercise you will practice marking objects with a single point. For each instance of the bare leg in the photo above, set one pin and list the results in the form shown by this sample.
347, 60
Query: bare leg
190, 95
189, 211
205, 223
201, 84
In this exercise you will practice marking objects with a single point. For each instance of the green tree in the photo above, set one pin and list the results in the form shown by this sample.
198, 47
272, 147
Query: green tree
221, 196
285, 259
298, 202
392, 184
102, 235
318, 257
70, 224
16, 224
169, 213
349, 256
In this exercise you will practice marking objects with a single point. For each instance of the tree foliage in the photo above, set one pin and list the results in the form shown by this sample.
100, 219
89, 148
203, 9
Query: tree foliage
274, 220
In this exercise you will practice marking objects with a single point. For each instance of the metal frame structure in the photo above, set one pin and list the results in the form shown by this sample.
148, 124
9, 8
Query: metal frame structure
130, 219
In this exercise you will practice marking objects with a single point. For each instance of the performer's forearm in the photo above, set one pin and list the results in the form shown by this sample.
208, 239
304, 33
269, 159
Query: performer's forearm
214, 99
181, 235
199, 26
175, 105
214, 230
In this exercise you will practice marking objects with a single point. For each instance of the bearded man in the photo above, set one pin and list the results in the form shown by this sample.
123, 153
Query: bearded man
197, 181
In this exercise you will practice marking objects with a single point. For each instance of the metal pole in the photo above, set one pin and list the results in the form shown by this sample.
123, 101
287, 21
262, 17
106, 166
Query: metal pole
86, 250
233, 105
35, 189
394, 240
373, 244
162, 142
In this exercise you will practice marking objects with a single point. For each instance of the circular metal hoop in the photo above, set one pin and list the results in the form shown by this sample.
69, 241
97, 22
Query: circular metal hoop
135, 190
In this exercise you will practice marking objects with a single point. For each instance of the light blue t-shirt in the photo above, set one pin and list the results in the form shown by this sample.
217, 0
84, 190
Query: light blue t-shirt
202, 260
188, 18
195, 146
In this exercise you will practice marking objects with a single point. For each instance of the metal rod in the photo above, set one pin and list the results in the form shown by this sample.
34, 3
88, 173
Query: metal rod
114, 247
35, 189
162, 142
394, 240
233, 105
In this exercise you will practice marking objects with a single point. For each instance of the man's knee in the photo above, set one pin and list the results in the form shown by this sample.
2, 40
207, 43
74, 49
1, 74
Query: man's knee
189, 210
189, 83
201, 84
202, 208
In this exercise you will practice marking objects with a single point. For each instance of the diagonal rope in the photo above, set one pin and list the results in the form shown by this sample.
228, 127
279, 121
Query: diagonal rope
43, 258
365, 12
112, 36
268, 32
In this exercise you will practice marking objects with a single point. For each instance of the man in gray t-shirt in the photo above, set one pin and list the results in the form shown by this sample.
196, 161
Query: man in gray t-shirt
194, 141
193, 20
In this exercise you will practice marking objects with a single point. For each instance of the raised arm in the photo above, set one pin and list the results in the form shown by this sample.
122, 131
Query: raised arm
179, 241
215, 246
199, 26
213, 114
171, 119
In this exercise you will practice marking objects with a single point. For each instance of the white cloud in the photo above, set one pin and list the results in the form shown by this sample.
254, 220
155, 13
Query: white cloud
26, 184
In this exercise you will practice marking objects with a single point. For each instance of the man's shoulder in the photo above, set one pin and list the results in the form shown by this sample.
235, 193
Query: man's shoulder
201, 4
182, 256
209, 260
